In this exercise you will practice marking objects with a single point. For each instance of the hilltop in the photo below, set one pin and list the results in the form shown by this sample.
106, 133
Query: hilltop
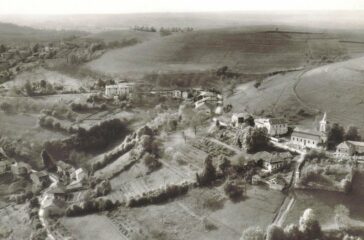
335, 88
11, 34
243, 50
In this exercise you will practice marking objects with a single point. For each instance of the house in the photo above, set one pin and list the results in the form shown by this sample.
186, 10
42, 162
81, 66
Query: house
40, 178
307, 138
120, 89
273, 162
58, 192
205, 108
79, 175
274, 126
238, 119
64, 168
350, 148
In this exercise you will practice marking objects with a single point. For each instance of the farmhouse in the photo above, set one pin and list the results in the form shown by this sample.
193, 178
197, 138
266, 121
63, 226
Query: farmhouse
272, 162
120, 89
350, 148
275, 126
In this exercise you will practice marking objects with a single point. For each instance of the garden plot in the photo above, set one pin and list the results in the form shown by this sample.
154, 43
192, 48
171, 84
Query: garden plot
135, 181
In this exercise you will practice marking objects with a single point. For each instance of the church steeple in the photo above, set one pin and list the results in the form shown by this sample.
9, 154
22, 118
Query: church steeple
323, 124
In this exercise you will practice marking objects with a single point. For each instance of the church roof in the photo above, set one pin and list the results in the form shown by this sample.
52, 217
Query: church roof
307, 134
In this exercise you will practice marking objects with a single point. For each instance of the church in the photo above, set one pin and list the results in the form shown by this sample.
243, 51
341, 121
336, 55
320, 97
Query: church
311, 138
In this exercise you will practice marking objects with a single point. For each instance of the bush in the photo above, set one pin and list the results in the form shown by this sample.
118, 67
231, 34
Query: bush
6, 107
151, 162
252, 233
91, 206
209, 173
159, 196
234, 189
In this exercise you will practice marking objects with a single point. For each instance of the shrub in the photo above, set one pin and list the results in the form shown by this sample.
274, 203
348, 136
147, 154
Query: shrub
234, 189
252, 233
151, 162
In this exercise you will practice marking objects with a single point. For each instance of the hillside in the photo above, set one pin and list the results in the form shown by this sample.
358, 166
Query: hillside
242, 50
117, 35
11, 34
335, 88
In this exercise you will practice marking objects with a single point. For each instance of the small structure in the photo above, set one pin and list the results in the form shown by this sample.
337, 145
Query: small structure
58, 192
350, 148
64, 168
237, 119
40, 178
79, 175
205, 108
274, 126
120, 89
273, 162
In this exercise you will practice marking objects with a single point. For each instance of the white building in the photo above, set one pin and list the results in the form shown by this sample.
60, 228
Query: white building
350, 148
311, 138
275, 126
120, 89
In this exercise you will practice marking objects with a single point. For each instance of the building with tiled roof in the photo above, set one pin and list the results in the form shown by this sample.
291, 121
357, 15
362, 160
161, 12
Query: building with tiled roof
274, 126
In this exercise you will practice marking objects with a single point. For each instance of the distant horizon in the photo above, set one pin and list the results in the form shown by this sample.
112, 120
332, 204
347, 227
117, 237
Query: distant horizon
71, 7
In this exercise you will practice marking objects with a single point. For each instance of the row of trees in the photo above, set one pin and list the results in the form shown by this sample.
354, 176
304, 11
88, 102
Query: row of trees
162, 30
338, 134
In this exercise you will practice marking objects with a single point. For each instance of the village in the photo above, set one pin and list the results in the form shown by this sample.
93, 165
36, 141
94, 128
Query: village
201, 142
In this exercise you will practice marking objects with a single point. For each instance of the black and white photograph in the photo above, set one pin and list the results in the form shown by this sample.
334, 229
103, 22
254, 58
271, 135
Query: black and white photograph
182, 120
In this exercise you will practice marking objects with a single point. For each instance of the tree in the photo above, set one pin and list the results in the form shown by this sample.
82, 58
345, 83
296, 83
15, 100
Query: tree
29, 88
234, 189
252, 233
309, 225
208, 174
255, 139
275, 232
352, 134
2, 48
335, 136
342, 217
292, 232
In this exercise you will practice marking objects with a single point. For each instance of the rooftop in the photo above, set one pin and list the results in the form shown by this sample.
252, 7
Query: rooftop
307, 134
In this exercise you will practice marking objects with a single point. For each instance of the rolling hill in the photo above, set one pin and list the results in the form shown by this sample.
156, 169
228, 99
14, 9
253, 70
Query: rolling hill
241, 49
12, 34
334, 88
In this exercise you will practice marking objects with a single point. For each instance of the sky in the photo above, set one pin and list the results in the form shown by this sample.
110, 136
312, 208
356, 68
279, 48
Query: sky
135, 6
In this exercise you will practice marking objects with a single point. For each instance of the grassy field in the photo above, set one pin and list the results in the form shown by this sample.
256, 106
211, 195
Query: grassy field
337, 89
15, 219
324, 203
246, 51
203, 214
92, 227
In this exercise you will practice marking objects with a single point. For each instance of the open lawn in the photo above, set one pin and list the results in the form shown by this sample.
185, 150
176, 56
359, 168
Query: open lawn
92, 227
324, 203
